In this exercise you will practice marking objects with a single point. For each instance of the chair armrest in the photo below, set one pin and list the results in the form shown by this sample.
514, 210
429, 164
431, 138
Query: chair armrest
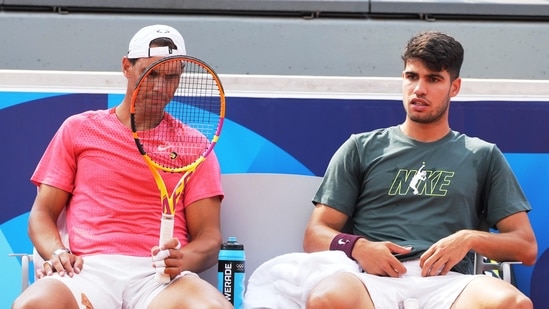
25, 259
506, 269
483, 265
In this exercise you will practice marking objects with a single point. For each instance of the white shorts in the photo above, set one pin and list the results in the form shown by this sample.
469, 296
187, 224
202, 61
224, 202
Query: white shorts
436, 292
114, 281
284, 282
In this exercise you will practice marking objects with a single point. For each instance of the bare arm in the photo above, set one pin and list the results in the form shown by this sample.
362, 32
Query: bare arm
44, 233
42, 229
325, 223
374, 257
514, 242
203, 221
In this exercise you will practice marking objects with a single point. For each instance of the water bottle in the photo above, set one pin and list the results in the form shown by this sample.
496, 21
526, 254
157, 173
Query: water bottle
231, 272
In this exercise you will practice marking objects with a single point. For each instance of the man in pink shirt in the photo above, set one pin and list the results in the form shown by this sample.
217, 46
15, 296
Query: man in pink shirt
93, 171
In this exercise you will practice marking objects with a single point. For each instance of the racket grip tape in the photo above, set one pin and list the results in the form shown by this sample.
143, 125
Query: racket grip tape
166, 233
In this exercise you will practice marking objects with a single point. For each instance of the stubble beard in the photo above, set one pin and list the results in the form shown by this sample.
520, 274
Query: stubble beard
433, 117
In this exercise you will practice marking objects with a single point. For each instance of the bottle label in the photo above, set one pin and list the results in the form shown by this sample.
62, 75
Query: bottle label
231, 281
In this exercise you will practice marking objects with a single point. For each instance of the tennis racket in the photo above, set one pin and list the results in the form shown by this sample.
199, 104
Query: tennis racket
177, 112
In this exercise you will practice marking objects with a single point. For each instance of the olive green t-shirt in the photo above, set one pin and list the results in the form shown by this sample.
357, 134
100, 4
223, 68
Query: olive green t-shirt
412, 193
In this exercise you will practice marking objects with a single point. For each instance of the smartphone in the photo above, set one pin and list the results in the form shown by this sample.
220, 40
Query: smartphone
408, 255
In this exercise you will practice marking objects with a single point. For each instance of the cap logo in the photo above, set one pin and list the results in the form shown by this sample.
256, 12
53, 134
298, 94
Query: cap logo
162, 31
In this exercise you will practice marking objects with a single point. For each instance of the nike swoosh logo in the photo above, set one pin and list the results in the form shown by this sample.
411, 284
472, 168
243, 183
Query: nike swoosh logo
342, 241
164, 148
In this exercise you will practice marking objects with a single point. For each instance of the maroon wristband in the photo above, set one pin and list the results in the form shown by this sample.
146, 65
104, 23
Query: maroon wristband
344, 242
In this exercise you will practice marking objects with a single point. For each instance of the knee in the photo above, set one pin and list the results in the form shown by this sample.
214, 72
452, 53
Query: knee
212, 303
342, 290
219, 305
17, 304
513, 299
520, 301
29, 302
22, 303
321, 300
333, 300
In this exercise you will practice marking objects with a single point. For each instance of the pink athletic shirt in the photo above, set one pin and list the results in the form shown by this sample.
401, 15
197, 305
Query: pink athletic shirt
115, 205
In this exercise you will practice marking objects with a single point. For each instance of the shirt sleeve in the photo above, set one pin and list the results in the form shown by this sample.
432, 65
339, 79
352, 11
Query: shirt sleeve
57, 167
342, 182
503, 194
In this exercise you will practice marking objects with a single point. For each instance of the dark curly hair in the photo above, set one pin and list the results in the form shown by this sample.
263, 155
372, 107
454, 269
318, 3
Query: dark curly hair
437, 51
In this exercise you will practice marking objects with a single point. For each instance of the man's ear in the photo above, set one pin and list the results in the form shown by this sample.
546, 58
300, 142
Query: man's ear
126, 66
455, 87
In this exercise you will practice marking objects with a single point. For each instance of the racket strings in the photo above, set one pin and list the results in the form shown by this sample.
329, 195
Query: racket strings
181, 108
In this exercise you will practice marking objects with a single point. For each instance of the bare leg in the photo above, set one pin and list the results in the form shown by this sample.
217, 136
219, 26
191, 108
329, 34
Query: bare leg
491, 293
190, 292
341, 291
46, 293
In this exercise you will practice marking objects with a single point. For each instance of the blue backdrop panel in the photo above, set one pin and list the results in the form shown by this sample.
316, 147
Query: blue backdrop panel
273, 135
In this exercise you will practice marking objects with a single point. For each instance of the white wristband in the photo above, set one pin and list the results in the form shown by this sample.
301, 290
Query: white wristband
58, 252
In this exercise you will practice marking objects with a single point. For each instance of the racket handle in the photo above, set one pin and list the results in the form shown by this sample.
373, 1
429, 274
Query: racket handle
166, 233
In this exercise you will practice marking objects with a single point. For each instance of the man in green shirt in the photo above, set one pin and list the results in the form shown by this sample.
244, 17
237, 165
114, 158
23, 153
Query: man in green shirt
416, 195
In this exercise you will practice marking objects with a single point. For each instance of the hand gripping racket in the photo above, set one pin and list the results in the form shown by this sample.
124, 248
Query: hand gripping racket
177, 111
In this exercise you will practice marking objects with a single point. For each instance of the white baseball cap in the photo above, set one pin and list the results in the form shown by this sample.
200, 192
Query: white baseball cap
139, 44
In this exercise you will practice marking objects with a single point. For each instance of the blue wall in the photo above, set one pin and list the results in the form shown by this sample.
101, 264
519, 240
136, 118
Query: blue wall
298, 136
